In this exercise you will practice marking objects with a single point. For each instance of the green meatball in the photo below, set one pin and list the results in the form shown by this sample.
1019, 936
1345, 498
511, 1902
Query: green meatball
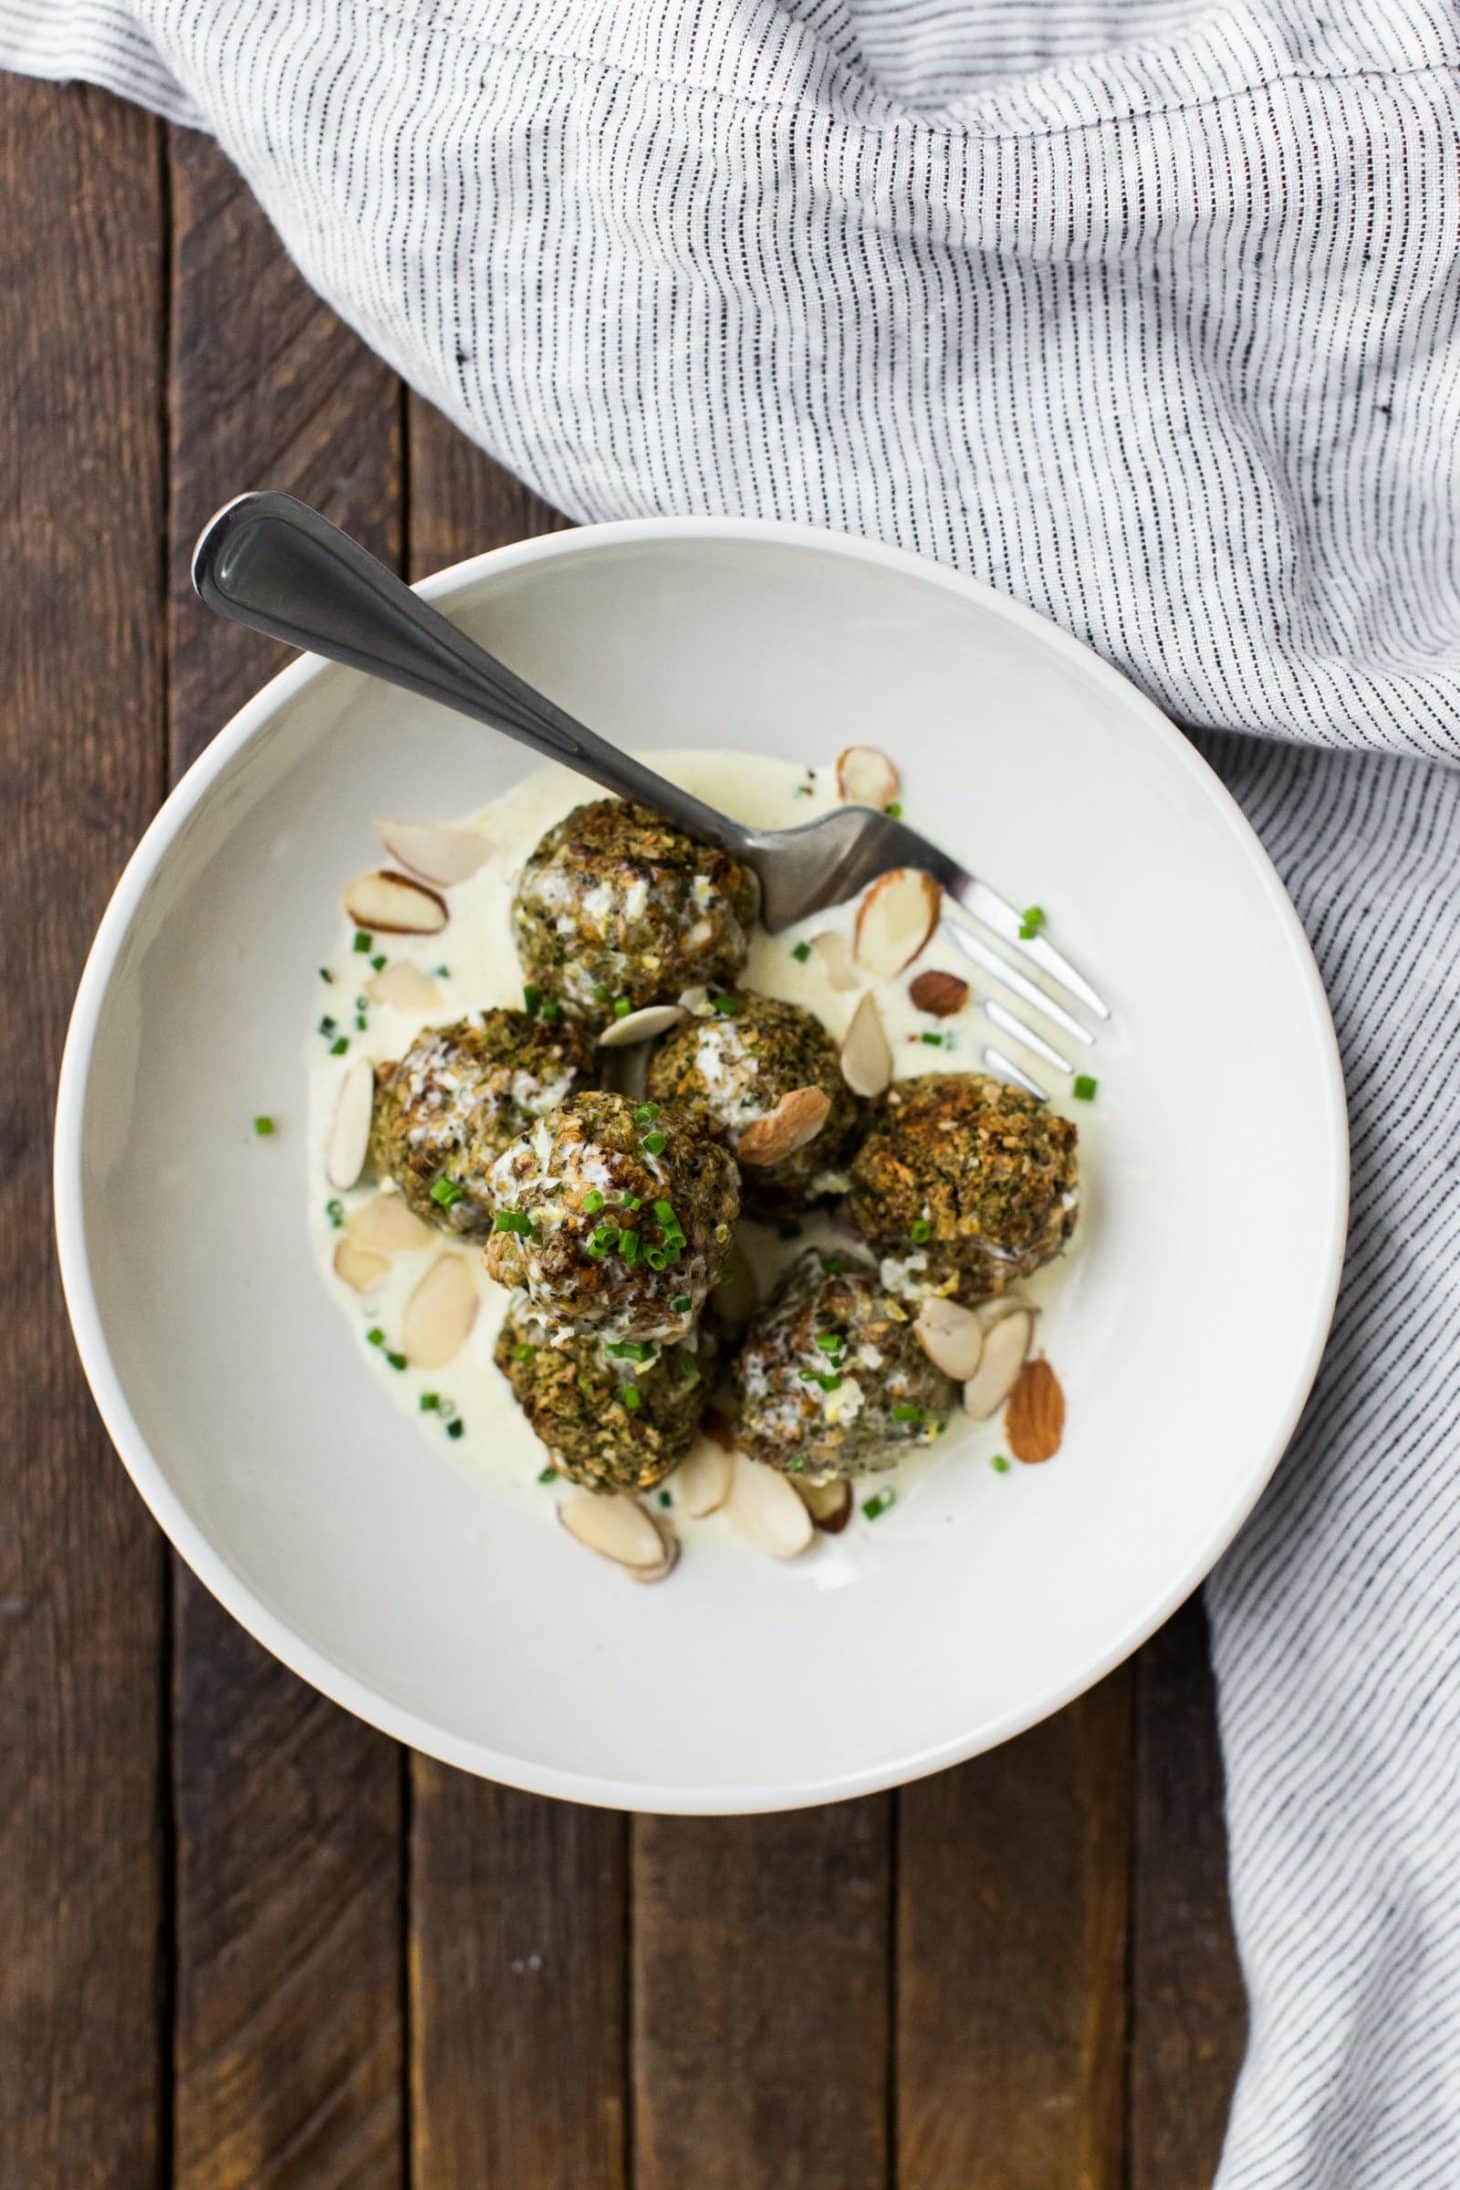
614, 1217
736, 1067
616, 906
613, 1418
831, 1379
459, 1096
964, 1185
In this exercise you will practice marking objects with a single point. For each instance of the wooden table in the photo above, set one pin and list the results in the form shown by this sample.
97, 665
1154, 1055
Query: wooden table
244, 1939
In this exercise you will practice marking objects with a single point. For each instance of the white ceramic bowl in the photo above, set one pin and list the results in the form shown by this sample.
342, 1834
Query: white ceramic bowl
1187, 1335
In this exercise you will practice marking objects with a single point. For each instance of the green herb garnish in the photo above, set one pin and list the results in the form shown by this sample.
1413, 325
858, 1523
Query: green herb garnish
548, 1475
893, 810
1031, 923
524, 1352
446, 1193
654, 1143
379, 961
832, 1265
512, 1220
621, 1007
999, 1464
531, 999
920, 1230
362, 941
327, 1025
592, 1202
726, 1004
907, 1414
337, 1049
646, 1113
632, 1398
375, 1337
801, 953
1085, 1088
429, 1402
788, 1228
325, 974
263, 1126
335, 1211
630, 1247
665, 1499
601, 995
831, 1342
359, 1022
630, 1349
876, 1507
455, 1429
681, 1304
551, 1008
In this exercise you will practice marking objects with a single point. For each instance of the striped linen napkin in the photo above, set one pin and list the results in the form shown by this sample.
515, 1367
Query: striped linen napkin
1147, 311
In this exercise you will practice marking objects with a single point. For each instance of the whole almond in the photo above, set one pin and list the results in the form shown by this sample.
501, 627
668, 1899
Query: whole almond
1034, 1420
939, 993
797, 1118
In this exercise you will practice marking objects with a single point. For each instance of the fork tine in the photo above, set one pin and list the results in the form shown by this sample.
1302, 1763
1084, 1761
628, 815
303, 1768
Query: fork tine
1008, 1070
995, 912
983, 954
1010, 1023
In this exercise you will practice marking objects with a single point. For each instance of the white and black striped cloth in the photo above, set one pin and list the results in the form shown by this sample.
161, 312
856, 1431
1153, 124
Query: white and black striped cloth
1147, 311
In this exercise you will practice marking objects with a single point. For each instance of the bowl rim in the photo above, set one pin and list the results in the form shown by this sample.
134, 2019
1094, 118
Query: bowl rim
210, 1565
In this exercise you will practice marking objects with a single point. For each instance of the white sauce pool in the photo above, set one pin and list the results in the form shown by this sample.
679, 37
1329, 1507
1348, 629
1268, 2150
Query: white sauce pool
472, 965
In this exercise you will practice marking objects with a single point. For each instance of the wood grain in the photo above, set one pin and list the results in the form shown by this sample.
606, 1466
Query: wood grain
762, 1979
290, 1949
82, 732
1012, 1919
517, 1904
1188, 2010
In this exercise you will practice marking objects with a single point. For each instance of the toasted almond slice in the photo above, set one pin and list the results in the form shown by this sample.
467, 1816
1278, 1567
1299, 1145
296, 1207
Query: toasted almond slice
942, 994
797, 1118
617, 1528
735, 1297
641, 1025
866, 777
394, 905
895, 919
357, 1267
439, 1313
951, 1336
1006, 1342
764, 1506
829, 1504
866, 1053
431, 849
349, 1141
835, 953
666, 1565
403, 987
388, 1225
1034, 1421
702, 1478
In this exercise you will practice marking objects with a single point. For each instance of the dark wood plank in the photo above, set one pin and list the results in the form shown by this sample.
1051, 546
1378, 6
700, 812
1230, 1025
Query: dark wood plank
517, 1905
1189, 2013
82, 733
1012, 1906
762, 1951
290, 1981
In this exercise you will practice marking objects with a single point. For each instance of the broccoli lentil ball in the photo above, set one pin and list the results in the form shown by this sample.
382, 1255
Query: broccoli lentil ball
611, 1421
616, 906
735, 1068
964, 1185
831, 1379
614, 1217
458, 1097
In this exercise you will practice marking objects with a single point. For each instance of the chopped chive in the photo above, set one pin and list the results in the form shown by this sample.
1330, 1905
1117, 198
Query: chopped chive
455, 1428
327, 1025
632, 1398
830, 1342
531, 999
832, 1265
601, 995
801, 953
263, 1125
828, 1383
362, 941
443, 972
788, 1228
512, 1220
325, 974
653, 1143
681, 1304
876, 1507
592, 1202
907, 1414
380, 961
665, 1499
375, 1337
524, 1352
664, 1211
446, 1409
548, 1475
934, 1041
894, 810
629, 1349
629, 1246
335, 1211
361, 1003
430, 1402
551, 1008
1085, 1088
726, 1004
446, 1193
621, 1007
630, 1201
1031, 923
657, 1258
646, 1113
920, 1230
337, 1049
359, 1022
999, 1464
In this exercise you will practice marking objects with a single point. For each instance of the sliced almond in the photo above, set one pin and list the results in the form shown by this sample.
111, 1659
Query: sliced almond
670, 1560
835, 953
349, 1141
797, 1119
895, 919
439, 1313
431, 849
403, 987
702, 1479
763, 1504
866, 1052
951, 1336
388, 1225
736, 1296
1006, 1342
357, 1267
394, 905
641, 1026
939, 993
866, 777
617, 1528
1034, 1421
829, 1504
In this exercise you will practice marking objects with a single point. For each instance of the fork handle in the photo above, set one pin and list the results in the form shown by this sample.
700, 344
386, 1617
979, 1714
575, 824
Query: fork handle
273, 563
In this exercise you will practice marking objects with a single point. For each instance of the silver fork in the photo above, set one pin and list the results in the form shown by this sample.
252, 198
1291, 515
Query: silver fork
274, 563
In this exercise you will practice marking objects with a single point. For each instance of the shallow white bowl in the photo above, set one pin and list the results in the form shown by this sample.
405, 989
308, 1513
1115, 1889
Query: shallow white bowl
1187, 1335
